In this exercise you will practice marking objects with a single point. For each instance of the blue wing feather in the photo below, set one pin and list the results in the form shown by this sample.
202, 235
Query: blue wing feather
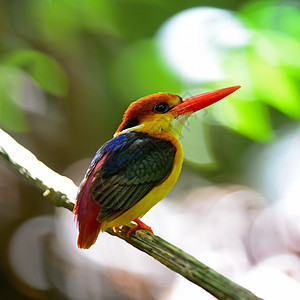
135, 163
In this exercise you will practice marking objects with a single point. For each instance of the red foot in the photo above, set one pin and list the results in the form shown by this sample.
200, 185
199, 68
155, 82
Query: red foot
140, 225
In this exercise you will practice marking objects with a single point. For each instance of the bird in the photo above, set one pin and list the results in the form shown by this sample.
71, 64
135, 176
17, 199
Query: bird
139, 166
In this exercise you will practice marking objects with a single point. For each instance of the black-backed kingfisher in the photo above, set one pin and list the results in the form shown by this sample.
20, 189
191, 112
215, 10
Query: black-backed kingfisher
138, 167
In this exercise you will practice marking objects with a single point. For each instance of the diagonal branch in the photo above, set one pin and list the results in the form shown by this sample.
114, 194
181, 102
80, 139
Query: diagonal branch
61, 191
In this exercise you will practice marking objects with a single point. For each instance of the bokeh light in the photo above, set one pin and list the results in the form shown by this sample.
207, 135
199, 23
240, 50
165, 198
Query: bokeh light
196, 42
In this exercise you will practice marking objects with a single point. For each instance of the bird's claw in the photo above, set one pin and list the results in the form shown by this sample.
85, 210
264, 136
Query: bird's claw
140, 225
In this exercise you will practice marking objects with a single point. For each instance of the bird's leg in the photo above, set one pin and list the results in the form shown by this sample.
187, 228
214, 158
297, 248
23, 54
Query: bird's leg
115, 229
140, 225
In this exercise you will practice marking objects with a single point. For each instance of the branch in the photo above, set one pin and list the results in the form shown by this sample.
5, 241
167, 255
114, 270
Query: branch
61, 191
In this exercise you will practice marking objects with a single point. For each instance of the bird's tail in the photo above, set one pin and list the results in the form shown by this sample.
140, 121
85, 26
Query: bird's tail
86, 211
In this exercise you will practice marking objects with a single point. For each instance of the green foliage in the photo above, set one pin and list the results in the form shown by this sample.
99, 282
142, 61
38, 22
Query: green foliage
267, 69
139, 70
12, 116
44, 70
108, 53
196, 142
17, 70
275, 87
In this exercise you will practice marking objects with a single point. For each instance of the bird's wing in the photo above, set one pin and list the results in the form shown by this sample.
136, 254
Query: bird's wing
135, 163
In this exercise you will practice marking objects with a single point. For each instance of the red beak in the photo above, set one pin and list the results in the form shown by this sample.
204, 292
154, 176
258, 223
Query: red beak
195, 103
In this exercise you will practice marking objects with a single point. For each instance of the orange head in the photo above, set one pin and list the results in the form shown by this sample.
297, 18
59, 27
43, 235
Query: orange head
161, 112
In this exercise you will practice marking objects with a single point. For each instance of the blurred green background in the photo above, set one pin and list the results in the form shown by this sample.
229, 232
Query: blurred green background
69, 69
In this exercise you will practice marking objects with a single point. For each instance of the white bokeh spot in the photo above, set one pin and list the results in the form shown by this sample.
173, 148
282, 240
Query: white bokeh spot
195, 42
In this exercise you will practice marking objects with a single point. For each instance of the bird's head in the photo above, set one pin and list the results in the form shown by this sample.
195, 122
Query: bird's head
164, 112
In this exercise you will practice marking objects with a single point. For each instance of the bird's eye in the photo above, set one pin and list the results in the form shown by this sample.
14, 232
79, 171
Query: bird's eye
161, 107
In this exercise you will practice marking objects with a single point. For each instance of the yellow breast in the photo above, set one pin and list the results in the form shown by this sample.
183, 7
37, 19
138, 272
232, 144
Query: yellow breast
157, 193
